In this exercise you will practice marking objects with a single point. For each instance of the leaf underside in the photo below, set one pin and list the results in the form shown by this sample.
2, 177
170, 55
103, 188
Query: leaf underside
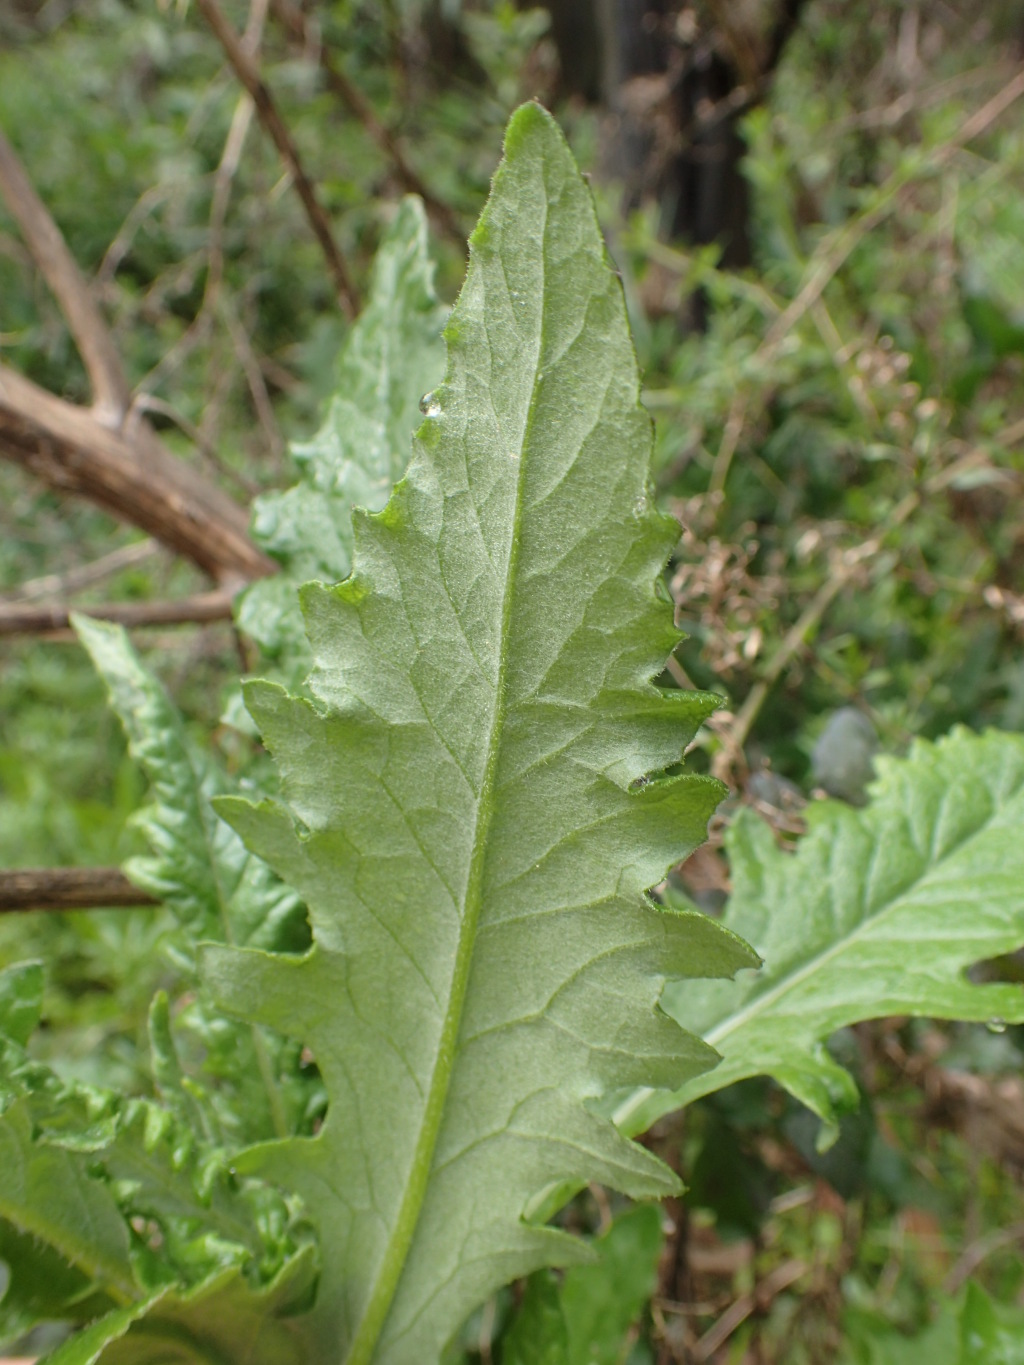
474, 807
392, 355
879, 912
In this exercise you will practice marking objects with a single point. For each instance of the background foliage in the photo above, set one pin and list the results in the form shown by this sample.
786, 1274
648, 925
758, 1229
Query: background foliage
841, 437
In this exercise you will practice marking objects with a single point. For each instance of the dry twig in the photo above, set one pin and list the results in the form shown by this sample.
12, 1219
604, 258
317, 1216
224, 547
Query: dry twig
247, 72
227, 168
97, 453
84, 576
349, 93
24, 618
737, 1313
68, 888
836, 249
60, 270
70, 450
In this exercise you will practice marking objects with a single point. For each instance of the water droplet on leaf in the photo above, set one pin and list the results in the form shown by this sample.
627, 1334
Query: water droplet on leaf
429, 405
996, 1026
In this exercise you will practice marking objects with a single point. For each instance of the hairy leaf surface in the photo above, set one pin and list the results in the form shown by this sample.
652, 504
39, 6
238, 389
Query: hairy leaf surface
878, 912
392, 355
475, 807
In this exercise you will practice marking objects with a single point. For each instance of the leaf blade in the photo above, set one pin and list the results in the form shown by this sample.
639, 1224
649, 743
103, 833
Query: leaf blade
389, 359
198, 866
473, 823
879, 912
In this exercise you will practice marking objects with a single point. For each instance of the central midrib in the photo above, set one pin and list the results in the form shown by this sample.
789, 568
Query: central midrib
392, 1264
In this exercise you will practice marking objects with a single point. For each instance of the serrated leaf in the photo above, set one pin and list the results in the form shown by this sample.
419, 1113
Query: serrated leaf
189, 1104
475, 806
199, 866
47, 1193
41, 1286
91, 1345
120, 1199
392, 355
216, 888
878, 912
223, 1319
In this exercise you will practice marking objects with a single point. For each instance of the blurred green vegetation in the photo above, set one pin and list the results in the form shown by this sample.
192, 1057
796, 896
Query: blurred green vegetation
843, 442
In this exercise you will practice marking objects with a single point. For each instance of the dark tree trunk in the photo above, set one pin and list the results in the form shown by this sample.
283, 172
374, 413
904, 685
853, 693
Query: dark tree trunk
674, 91
706, 178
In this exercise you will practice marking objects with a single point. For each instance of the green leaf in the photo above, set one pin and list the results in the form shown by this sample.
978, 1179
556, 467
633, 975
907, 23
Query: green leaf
120, 1198
216, 888
869, 1341
878, 912
91, 1345
602, 1301
392, 355
990, 1333
224, 1319
21, 1000
475, 803
47, 1193
41, 1286
538, 1335
973, 1329
199, 867
587, 1319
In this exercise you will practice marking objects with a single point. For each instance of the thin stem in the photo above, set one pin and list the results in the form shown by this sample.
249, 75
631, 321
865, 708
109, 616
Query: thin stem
68, 888
84, 575
353, 98
247, 72
26, 618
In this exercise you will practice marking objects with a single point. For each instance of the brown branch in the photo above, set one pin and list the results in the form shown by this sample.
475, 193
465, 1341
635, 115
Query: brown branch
138, 481
21, 618
102, 453
202, 324
338, 81
43, 238
68, 888
246, 71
